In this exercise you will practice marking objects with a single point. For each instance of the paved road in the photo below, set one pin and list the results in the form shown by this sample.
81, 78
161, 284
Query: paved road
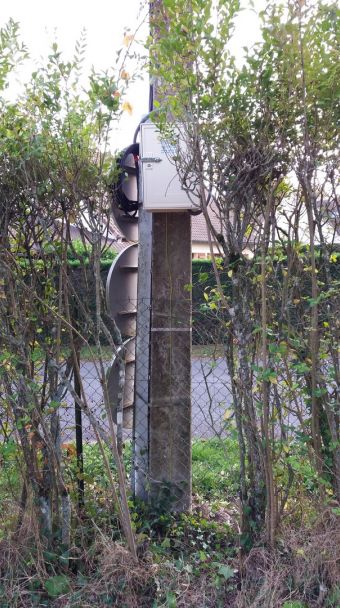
210, 399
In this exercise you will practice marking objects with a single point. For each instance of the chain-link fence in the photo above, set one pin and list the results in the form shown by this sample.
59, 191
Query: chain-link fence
206, 407
208, 388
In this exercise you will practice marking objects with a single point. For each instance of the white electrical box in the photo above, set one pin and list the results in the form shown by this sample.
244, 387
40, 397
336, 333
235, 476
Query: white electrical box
161, 186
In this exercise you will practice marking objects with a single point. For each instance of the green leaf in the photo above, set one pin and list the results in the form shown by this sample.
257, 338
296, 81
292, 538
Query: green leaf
57, 585
225, 571
203, 556
171, 600
203, 277
36, 355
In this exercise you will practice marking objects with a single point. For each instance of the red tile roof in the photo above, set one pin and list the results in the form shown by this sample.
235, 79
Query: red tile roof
199, 231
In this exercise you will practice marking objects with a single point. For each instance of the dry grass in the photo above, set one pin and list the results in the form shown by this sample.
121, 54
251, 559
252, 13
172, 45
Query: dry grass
304, 568
117, 578
18, 567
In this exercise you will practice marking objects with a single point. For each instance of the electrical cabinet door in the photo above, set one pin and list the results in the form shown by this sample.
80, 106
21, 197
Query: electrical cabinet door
162, 189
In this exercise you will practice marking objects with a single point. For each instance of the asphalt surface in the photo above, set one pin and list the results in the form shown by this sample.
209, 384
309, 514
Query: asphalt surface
210, 400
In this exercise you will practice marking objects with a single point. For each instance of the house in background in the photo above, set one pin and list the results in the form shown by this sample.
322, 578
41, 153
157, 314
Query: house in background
199, 236
112, 239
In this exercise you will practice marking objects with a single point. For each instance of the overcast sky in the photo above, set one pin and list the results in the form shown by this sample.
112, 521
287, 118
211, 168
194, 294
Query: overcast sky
41, 22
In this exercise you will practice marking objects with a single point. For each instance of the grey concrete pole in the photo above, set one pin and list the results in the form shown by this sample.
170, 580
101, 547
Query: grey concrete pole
170, 357
170, 373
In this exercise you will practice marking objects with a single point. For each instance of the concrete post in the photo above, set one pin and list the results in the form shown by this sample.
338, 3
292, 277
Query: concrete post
163, 449
170, 373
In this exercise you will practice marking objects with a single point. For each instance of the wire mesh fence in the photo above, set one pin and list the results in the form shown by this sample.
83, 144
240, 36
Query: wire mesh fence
208, 391
205, 410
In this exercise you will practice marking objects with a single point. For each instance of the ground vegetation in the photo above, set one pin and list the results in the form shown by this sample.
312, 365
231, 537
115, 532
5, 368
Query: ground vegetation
261, 149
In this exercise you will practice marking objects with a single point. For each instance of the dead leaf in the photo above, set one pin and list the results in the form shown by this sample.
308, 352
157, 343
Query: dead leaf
128, 38
127, 107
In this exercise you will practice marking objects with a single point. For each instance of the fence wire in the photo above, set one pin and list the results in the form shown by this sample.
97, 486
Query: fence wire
208, 389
